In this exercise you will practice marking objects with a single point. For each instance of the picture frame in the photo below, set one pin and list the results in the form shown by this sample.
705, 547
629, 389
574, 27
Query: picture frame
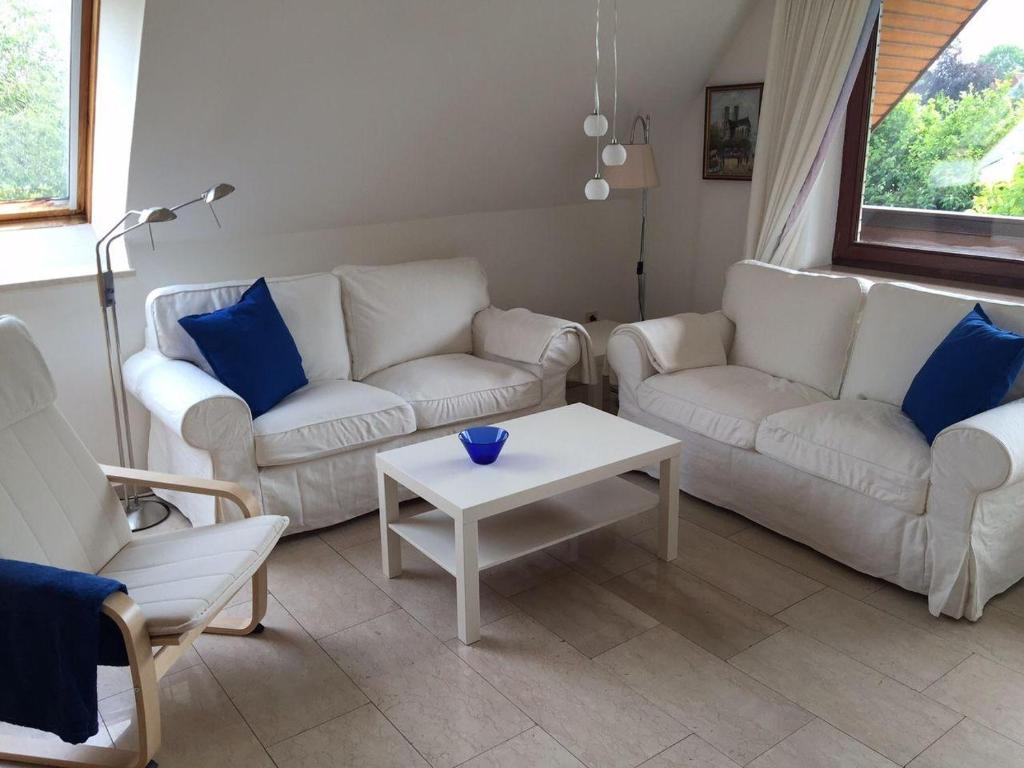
731, 119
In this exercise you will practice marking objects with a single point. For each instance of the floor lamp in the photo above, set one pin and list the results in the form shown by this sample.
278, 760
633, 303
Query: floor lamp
638, 172
143, 510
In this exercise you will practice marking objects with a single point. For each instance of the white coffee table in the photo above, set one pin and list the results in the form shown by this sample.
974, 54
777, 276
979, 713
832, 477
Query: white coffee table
556, 478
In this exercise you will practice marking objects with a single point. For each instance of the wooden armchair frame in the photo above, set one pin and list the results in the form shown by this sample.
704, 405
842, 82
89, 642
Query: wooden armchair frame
149, 657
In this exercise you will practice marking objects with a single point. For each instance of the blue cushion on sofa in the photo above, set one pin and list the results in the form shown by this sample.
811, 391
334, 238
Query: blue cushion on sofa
969, 372
250, 349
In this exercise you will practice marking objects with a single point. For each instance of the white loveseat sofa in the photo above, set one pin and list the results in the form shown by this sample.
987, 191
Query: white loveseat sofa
393, 354
801, 430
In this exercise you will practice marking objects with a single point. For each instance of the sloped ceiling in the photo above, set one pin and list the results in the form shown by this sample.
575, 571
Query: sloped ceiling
329, 113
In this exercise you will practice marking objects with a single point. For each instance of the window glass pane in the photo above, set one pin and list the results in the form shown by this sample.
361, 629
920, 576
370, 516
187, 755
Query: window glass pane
35, 81
945, 158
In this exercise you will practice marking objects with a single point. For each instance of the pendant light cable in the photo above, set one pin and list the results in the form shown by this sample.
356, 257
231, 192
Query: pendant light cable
615, 67
597, 57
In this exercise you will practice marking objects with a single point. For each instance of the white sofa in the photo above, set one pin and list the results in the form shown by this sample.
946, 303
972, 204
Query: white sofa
393, 354
799, 428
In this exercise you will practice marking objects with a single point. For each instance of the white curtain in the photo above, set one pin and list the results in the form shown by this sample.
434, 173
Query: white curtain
816, 48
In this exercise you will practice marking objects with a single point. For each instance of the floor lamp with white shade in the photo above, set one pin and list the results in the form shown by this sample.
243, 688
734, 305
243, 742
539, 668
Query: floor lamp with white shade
638, 172
143, 510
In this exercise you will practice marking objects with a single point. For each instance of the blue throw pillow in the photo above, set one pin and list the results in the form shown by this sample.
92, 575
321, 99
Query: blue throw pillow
250, 349
969, 372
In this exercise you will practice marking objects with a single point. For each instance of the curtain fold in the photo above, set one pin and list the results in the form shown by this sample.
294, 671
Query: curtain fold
817, 47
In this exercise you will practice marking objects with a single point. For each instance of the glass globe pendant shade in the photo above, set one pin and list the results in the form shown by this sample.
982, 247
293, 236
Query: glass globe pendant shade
595, 125
614, 154
596, 189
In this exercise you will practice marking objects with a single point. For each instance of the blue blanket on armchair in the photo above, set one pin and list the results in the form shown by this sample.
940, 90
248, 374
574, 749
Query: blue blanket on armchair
53, 634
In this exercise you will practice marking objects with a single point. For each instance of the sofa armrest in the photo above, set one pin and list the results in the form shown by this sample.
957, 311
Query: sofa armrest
682, 341
522, 336
984, 452
188, 401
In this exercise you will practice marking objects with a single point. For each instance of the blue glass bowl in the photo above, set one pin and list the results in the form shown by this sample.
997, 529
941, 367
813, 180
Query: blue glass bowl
483, 444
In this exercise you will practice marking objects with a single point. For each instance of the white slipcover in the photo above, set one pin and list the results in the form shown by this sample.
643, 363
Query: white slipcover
328, 417
853, 478
309, 304
726, 402
687, 340
900, 328
389, 320
181, 579
792, 324
445, 389
870, 447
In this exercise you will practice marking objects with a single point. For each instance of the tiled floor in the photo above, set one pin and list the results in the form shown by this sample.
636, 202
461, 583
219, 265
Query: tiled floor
747, 650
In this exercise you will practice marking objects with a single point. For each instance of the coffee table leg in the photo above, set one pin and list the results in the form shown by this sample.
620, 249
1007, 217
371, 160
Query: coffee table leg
390, 543
668, 509
467, 582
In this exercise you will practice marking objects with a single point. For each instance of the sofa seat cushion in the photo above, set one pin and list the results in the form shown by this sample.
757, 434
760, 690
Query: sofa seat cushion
328, 417
726, 403
865, 445
444, 389
182, 579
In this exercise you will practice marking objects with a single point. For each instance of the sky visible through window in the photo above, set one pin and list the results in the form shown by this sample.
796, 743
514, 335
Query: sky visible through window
35, 76
955, 141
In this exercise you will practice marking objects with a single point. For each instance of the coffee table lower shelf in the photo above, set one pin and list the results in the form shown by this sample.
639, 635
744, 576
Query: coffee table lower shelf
529, 528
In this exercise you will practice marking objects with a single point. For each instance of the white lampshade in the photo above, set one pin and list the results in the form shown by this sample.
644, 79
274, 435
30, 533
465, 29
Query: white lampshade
614, 154
595, 125
638, 172
596, 189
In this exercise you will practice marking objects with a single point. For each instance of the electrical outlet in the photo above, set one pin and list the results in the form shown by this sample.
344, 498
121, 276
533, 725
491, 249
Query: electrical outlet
591, 316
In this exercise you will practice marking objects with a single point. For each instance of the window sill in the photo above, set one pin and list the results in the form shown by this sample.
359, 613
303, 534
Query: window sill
994, 293
39, 256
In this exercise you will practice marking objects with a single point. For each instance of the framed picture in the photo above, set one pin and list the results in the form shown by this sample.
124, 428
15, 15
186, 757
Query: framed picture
731, 114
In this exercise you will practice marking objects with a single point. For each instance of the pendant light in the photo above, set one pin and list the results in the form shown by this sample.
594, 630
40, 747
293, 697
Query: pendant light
614, 153
596, 124
597, 188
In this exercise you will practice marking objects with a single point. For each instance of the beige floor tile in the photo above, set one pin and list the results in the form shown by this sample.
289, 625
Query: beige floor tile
755, 579
320, 588
909, 654
819, 745
200, 726
445, 709
584, 614
805, 560
358, 530
876, 710
631, 526
361, 739
715, 620
970, 745
425, 590
1012, 600
600, 555
8, 730
727, 708
281, 680
523, 573
691, 752
999, 635
588, 709
697, 511
113, 680
986, 692
531, 749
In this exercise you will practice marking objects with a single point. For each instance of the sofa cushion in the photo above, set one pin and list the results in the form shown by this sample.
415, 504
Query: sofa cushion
792, 324
182, 579
726, 403
445, 389
407, 311
900, 328
864, 445
309, 304
329, 417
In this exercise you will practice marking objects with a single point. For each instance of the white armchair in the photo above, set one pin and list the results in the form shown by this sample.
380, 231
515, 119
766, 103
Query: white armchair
65, 513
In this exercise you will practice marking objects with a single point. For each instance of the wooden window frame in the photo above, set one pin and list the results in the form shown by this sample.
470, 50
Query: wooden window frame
849, 251
47, 212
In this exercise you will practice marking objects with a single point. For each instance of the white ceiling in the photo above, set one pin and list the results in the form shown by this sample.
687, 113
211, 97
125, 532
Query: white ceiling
328, 113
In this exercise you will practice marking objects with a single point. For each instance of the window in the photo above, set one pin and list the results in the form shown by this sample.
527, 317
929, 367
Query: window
46, 60
933, 162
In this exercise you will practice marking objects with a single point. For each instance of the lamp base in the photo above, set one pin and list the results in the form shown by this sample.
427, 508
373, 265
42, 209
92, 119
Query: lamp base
146, 512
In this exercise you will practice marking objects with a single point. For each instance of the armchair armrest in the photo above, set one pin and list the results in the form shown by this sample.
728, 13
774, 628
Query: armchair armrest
522, 336
678, 342
191, 403
233, 492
